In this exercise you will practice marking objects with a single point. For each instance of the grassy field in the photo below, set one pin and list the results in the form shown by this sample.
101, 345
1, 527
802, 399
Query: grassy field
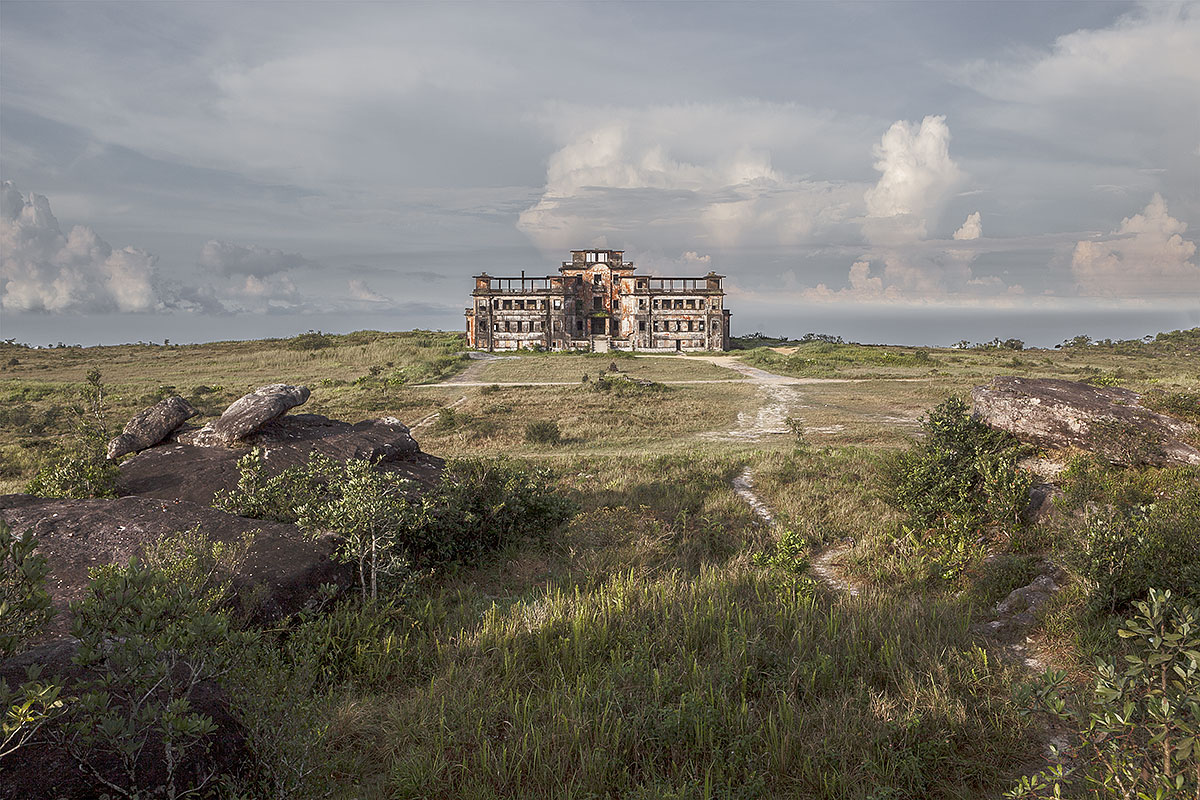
652, 648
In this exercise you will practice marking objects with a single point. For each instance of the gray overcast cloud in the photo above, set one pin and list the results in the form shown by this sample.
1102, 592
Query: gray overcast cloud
910, 172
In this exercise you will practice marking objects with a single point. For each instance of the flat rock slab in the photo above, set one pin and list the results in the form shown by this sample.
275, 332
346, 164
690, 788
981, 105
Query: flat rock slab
282, 570
250, 412
1108, 421
182, 471
151, 426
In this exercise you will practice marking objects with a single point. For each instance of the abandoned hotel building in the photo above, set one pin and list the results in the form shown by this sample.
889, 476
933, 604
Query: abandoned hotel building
596, 302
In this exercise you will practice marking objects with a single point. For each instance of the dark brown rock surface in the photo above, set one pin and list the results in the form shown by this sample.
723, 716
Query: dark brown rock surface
181, 471
282, 570
151, 426
250, 412
1108, 421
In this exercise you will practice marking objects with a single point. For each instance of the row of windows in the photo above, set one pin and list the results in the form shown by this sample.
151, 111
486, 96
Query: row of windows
520, 327
520, 305
695, 304
680, 325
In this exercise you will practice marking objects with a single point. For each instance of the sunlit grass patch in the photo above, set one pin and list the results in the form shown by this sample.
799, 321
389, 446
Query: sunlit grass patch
723, 684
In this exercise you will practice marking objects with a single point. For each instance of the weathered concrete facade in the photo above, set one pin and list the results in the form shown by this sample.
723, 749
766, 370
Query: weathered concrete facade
597, 302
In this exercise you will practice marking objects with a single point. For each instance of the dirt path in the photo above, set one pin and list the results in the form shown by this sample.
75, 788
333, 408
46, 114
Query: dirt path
824, 564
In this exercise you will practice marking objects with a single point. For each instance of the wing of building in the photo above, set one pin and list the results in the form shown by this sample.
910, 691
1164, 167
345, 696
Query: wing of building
597, 302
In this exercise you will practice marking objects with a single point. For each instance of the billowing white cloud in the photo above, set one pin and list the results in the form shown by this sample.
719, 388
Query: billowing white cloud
972, 228
43, 269
624, 178
1146, 256
917, 177
226, 258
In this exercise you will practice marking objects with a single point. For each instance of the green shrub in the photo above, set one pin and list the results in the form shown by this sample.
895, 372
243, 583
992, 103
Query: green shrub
78, 472
483, 504
1139, 733
1184, 405
311, 340
543, 432
789, 556
1126, 530
24, 602
150, 645
367, 510
446, 420
478, 505
278, 497
960, 468
24, 611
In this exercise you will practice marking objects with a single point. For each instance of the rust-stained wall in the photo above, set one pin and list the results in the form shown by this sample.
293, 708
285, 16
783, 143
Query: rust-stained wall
598, 297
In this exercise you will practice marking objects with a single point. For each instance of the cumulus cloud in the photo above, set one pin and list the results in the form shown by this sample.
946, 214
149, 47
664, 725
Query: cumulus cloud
627, 178
917, 176
43, 269
972, 228
1146, 256
226, 258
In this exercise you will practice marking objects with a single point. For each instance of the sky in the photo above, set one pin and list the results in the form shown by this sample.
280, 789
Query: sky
915, 173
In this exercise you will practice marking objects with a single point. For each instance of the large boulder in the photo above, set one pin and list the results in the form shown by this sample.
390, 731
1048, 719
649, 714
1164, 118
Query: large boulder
249, 413
1108, 421
282, 571
183, 471
151, 426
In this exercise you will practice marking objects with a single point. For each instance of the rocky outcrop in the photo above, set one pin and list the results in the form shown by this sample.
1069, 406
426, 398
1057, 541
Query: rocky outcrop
182, 471
249, 413
151, 426
282, 570
1108, 421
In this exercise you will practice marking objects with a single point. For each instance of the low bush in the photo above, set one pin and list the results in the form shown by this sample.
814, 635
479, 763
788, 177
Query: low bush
1126, 530
1139, 732
78, 471
960, 468
478, 505
543, 432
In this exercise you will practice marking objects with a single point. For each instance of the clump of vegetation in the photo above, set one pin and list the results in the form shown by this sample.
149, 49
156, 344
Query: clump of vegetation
620, 385
820, 358
1129, 530
796, 426
544, 431
24, 603
958, 480
1183, 405
388, 529
1139, 732
151, 644
446, 420
790, 554
79, 466
311, 340
24, 611
960, 469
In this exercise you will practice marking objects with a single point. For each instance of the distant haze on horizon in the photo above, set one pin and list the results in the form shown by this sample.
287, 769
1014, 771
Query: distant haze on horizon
912, 173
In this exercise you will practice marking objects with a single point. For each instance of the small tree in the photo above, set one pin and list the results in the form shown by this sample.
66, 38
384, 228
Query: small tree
1140, 733
367, 511
24, 611
150, 644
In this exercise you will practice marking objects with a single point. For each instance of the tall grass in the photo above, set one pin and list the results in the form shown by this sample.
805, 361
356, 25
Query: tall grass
727, 683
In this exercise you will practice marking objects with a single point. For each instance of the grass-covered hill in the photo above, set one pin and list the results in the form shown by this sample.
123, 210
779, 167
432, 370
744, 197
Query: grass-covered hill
663, 641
